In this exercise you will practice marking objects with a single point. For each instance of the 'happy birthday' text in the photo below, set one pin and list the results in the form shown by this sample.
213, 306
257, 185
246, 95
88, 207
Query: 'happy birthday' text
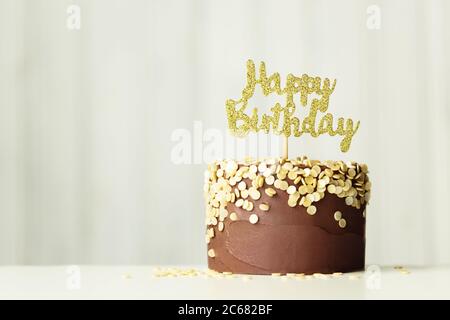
241, 123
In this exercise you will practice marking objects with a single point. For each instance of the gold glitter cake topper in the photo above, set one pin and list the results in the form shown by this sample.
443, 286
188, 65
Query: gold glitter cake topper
241, 123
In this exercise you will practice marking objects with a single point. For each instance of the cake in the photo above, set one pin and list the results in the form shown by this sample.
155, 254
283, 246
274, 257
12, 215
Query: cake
278, 216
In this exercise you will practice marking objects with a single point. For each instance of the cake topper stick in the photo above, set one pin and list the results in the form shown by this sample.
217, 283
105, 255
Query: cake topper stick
286, 148
311, 91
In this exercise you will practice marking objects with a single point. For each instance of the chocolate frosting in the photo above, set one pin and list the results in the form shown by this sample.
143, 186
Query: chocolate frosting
289, 240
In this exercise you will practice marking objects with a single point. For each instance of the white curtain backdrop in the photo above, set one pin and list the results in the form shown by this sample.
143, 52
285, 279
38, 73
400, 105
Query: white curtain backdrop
87, 117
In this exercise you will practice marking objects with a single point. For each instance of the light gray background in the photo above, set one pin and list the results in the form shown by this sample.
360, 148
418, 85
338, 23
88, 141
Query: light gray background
86, 119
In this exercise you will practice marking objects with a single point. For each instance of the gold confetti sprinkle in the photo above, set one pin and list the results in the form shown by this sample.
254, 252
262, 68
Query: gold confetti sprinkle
178, 272
254, 194
331, 188
306, 172
311, 210
337, 215
260, 180
316, 169
281, 184
404, 271
262, 167
306, 203
211, 253
342, 223
349, 201
316, 196
264, 207
293, 199
291, 190
270, 180
292, 175
320, 276
270, 192
253, 218
242, 186
310, 197
302, 190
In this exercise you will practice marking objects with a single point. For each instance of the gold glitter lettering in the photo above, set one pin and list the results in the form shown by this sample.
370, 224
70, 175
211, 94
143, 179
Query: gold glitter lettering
240, 123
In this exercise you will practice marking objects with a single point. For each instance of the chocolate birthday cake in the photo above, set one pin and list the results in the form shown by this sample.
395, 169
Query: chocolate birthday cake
282, 215
286, 216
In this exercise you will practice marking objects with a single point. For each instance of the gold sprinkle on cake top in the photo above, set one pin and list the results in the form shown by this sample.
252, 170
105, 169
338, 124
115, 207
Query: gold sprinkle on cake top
305, 181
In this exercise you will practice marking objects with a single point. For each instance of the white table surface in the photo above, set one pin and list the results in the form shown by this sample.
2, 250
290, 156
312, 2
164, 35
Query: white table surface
138, 282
